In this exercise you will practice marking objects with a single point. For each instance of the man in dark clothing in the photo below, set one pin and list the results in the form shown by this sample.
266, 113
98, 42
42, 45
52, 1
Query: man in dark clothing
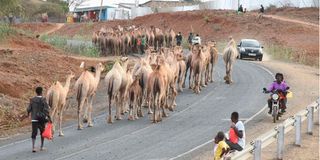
37, 104
261, 9
143, 44
179, 39
240, 9
190, 40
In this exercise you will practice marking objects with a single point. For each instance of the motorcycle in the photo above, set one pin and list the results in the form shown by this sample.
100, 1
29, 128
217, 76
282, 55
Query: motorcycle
277, 98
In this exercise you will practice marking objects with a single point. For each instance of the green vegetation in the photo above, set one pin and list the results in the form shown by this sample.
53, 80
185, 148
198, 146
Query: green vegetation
61, 42
31, 10
5, 31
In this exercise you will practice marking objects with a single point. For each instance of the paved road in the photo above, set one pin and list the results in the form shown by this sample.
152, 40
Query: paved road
197, 119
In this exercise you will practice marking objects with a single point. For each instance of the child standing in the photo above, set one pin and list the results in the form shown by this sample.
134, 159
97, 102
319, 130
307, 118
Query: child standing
222, 146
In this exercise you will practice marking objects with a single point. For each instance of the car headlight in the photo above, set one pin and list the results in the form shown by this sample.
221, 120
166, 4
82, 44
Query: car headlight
275, 97
242, 49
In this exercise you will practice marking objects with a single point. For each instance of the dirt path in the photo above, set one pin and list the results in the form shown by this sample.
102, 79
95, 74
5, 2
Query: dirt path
57, 27
291, 20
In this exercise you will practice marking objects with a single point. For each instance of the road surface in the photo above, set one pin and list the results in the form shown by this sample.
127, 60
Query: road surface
196, 120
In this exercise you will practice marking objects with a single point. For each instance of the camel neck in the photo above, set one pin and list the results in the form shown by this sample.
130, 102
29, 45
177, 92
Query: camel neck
97, 76
67, 85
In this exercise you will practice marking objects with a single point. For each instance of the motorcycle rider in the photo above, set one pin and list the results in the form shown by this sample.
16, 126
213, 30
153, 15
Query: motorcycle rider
278, 85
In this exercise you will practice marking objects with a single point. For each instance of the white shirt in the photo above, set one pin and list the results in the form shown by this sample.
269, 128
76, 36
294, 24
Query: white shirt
240, 127
196, 40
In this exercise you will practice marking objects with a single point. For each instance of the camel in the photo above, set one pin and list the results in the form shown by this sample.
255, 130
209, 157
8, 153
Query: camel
230, 54
157, 86
143, 73
187, 59
56, 97
213, 59
158, 38
95, 37
169, 37
116, 81
86, 87
196, 68
182, 70
135, 99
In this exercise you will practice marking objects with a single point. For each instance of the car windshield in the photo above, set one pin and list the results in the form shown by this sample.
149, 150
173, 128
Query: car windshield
254, 44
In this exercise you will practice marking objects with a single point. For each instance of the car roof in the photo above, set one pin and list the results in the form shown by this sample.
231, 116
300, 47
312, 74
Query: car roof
249, 40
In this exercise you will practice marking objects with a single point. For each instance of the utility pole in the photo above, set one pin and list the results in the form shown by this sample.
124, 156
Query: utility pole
100, 10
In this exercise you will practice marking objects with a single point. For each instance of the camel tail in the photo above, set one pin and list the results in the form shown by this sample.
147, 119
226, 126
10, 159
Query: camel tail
110, 87
197, 69
79, 93
156, 86
50, 100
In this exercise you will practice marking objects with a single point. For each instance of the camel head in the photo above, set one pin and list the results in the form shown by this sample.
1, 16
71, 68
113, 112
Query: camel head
71, 75
196, 49
100, 67
152, 58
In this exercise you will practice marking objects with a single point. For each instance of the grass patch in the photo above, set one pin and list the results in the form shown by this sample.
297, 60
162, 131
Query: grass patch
6, 31
290, 55
57, 41
80, 49
280, 52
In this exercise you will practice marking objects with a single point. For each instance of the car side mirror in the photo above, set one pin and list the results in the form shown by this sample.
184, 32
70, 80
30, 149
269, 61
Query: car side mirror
238, 45
262, 47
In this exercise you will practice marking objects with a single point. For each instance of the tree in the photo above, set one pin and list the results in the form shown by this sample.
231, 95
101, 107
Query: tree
8, 7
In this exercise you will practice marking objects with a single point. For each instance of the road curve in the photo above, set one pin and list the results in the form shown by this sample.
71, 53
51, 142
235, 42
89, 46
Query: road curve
196, 120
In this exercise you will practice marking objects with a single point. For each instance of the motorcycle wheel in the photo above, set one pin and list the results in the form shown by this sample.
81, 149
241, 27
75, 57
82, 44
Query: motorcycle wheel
275, 117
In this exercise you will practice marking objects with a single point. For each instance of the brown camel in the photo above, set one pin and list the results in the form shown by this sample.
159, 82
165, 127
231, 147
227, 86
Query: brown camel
196, 68
143, 73
86, 87
135, 99
213, 59
157, 86
56, 97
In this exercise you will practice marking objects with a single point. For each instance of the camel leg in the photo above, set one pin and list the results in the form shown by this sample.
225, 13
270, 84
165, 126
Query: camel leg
154, 109
110, 116
140, 108
211, 73
80, 107
118, 109
230, 68
135, 109
164, 114
86, 107
60, 121
90, 124
183, 78
190, 79
52, 116
149, 105
158, 108
130, 117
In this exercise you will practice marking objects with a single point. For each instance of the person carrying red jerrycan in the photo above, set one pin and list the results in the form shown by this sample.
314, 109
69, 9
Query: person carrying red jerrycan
47, 133
39, 110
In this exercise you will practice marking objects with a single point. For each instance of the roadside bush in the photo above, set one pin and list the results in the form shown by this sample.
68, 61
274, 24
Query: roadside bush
5, 31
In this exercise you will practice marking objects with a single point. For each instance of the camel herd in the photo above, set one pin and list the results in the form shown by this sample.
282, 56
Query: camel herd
122, 41
152, 82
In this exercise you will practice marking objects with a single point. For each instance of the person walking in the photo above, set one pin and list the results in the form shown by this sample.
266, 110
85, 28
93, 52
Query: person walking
39, 110
179, 39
